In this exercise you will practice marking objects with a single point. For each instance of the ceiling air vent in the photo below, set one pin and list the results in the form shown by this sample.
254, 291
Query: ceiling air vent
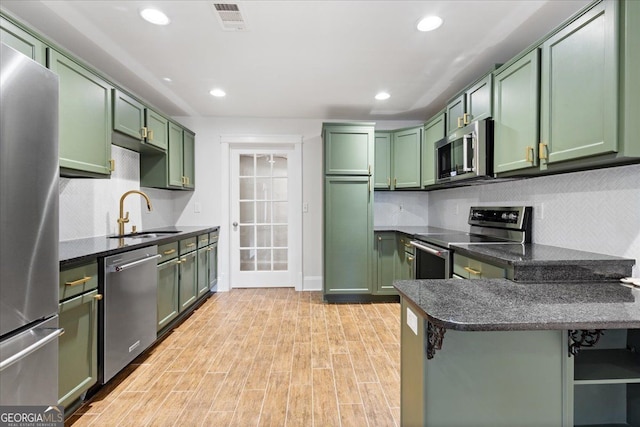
230, 16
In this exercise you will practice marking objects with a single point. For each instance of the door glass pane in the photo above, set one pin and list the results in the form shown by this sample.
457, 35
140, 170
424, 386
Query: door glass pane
246, 165
263, 193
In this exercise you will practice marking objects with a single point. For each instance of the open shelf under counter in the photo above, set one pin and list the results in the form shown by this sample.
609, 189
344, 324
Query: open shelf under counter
609, 366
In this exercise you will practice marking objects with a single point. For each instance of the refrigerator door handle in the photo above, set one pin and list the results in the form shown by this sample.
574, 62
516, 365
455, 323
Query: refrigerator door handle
33, 347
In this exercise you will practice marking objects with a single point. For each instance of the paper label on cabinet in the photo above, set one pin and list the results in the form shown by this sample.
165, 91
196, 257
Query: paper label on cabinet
412, 321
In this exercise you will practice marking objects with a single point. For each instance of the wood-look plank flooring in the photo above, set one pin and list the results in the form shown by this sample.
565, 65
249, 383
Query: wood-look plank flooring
262, 357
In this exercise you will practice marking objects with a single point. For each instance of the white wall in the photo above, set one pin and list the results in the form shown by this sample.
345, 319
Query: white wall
90, 207
208, 177
401, 208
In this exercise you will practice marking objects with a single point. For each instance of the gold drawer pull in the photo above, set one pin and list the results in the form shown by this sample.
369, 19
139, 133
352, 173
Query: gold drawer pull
472, 271
97, 297
410, 258
169, 252
465, 118
79, 281
190, 245
529, 155
459, 122
542, 151
209, 249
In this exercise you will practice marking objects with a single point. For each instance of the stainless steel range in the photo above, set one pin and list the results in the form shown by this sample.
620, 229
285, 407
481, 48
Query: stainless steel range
489, 225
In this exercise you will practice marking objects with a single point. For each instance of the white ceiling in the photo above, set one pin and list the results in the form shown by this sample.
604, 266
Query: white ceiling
298, 59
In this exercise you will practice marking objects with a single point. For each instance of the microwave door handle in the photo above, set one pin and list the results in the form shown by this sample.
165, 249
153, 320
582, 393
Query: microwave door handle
465, 153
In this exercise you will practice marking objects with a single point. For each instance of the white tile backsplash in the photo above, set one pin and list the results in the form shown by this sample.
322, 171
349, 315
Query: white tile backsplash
401, 208
90, 207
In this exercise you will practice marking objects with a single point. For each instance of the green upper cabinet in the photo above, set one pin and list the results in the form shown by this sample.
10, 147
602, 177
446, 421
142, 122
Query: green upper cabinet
85, 119
157, 129
579, 88
22, 41
516, 106
434, 131
175, 155
349, 148
407, 144
382, 167
473, 104
188, 160
128, 115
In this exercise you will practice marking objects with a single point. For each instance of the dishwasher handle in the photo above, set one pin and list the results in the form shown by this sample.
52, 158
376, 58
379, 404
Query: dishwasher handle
119, 268
442, 253
30, 349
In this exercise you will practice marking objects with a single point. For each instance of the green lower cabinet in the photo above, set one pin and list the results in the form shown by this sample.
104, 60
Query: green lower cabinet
77, 347
203, 271
85, 119
188, 280
386, 257
19, 39
348, 235
213, 263
168, 285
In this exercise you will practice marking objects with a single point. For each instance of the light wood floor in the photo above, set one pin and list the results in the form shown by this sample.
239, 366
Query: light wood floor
267, 357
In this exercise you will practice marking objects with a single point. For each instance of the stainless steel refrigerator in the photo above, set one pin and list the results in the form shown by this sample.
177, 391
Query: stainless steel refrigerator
29, 265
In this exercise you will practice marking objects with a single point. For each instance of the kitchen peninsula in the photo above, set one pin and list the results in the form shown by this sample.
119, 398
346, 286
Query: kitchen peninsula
496, 352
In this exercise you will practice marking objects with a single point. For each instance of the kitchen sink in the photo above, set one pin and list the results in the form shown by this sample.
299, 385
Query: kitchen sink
145, 234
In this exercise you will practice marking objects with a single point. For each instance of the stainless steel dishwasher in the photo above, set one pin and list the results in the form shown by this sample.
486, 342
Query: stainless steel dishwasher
129, 307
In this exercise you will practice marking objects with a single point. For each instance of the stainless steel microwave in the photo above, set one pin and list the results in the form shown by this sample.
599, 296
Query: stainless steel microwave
466, 154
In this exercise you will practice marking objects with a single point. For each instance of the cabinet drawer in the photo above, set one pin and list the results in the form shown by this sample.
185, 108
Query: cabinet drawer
474, 269
168, 251
76, 280
213, 237
203, 240
188, 245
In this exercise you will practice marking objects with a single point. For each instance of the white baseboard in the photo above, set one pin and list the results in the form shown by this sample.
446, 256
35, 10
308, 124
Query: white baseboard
312, 283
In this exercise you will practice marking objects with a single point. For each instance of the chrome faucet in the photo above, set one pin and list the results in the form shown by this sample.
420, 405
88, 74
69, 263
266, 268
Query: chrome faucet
125, 218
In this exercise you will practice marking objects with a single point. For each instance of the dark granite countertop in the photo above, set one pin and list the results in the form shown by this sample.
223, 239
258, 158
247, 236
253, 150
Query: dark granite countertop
415, 229
534, 262
504, 305
82, 250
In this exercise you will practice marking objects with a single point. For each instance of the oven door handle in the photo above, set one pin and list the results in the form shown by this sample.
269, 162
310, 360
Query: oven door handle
442, 253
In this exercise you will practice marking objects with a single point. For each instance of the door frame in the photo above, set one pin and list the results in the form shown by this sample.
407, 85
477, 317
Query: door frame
263, 142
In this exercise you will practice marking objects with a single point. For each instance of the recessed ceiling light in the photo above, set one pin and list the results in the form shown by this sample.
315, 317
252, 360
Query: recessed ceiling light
429, 23
382, 96
167, 79
154, 16
217, 93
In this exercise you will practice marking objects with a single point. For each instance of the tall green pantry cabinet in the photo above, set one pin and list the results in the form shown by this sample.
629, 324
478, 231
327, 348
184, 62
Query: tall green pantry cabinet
348, 208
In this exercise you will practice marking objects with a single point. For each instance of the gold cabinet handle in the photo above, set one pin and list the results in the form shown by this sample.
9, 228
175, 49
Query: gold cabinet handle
144, 132
190, 245
388, 181
529, 155
112, 165
472, 271
183, 260
169, 252
369, 169
150, 135
542, 151
379, 239
82, 281
409, 259
204, 241
459, 122
209, 249
407, 245
465, 118
395, 182
97, 297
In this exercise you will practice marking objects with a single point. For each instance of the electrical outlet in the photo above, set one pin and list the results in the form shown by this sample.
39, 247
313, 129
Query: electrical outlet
305, 207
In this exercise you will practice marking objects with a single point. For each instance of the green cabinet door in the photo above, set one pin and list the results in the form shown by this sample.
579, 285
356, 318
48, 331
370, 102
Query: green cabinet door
17, 38
434, 131
188, 160
349, 149
579, 87
85, 118
203, 271
77, 347
455, 113
382, 167
213, 265
386, 258
157, 129
174, 154
479, 97
516, 106
405, 259
407, 144
168, 285
128, 115
188, 280
348, 235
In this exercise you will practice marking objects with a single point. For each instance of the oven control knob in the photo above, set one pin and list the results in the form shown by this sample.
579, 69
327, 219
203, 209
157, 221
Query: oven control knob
513, 216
